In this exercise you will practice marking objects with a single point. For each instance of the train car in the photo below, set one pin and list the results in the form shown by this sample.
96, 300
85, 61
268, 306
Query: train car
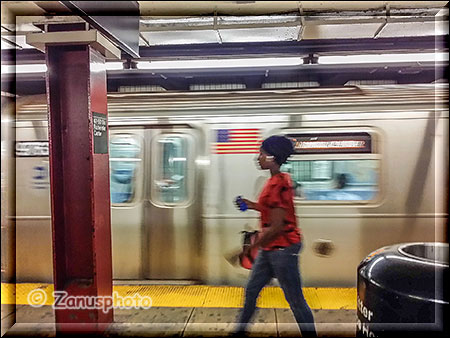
370, 169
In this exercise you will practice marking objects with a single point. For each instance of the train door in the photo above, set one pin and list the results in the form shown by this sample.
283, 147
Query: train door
126, 153
172, 225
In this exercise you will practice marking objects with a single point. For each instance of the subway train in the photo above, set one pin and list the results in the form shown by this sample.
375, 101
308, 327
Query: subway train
370, 169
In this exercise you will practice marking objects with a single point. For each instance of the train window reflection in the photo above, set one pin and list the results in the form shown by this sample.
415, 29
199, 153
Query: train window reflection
125, 160
334, 180
170, 181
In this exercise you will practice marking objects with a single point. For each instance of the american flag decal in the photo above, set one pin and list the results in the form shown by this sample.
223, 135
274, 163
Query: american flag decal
237, 141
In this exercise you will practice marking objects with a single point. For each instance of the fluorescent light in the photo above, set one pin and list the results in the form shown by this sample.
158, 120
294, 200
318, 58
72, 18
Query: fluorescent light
291, 61
382, 58
250, 62
19, 69
106, 66
220, 63
114, 66
42, 68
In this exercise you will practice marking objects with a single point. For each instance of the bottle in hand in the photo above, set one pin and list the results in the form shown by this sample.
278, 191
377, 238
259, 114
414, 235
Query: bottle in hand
241, 204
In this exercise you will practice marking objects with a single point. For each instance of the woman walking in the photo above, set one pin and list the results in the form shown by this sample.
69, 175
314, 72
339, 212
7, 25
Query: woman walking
279, 242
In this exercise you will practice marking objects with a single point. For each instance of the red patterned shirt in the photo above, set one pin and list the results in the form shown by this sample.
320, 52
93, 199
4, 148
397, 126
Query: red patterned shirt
279, 193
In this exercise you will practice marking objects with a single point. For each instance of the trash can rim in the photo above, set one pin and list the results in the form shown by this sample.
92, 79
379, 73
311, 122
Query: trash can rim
401, 250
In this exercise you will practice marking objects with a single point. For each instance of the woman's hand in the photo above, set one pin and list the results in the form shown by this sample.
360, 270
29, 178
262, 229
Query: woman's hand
250, 204
276, 228
246, 252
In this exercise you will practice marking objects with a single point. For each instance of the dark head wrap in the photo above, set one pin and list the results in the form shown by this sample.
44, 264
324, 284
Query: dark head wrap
278, 146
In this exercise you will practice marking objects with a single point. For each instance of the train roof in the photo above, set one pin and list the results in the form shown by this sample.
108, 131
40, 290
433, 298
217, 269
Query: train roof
182, 102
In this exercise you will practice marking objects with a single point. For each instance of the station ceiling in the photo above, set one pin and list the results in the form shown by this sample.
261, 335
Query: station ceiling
190, 22
187, 30
190, 8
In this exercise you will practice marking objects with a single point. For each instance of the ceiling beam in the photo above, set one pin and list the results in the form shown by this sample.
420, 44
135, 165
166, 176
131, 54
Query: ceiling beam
290, 48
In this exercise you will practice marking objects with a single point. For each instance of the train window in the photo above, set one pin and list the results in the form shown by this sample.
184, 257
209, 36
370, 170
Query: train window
125, 160
334, 180
334, 166
171, 175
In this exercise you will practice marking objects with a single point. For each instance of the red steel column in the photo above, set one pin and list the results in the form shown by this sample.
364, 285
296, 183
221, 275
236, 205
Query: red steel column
79, 177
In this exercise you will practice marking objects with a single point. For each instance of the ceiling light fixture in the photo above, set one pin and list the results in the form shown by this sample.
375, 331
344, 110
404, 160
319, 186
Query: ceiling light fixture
382, 58
221, 63
251, 62
19, 69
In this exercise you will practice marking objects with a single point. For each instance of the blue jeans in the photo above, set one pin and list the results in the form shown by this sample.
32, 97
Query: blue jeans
283, 265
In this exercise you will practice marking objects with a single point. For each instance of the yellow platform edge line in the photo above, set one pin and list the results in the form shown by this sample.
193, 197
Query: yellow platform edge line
188, 296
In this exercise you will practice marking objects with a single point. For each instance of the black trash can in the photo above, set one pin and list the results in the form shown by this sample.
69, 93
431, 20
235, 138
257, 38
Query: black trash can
403, 288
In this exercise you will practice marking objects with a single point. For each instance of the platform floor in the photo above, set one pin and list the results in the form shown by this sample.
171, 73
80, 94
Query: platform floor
196, 295
194, 310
